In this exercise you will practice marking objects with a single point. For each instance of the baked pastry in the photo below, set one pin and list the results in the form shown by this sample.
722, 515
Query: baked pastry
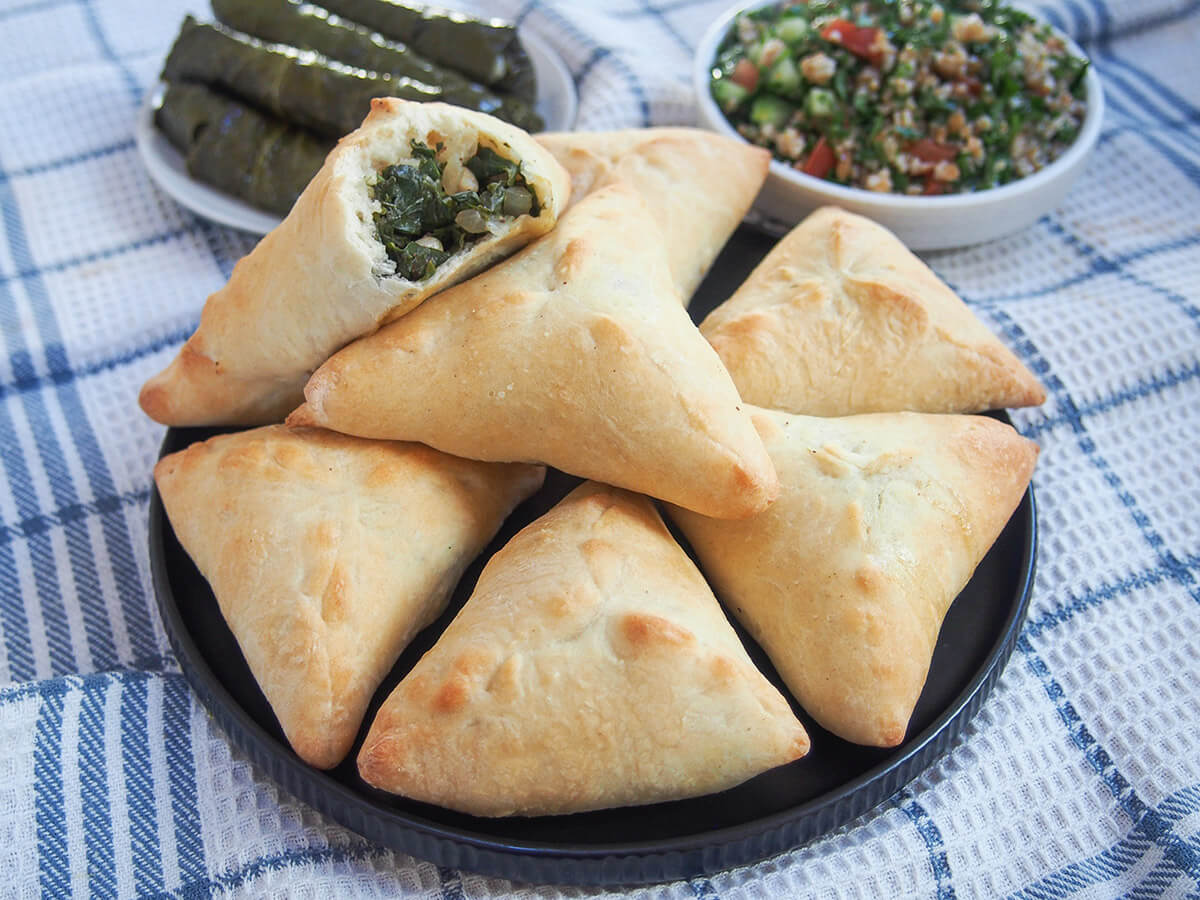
697, 185
575, 352
841, 318
590, 668
360, 248
326, 554
845, 579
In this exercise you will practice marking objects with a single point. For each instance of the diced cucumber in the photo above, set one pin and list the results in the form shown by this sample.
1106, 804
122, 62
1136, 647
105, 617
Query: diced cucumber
793, 30
770, 110
820, 104
728, 94
784, 77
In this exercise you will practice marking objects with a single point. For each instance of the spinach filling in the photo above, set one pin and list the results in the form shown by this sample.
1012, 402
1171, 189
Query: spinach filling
421, 225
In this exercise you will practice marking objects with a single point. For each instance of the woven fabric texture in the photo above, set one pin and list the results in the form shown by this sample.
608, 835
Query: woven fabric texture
1081, 774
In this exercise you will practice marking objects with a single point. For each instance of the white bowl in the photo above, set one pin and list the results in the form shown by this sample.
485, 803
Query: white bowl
922, 223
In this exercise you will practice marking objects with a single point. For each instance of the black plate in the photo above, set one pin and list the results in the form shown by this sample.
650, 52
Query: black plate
778, 810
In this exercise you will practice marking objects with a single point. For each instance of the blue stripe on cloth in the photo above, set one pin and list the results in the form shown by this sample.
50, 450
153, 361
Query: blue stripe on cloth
1175, 100
30, 8
1147, 822
451, 884
93, 21
80, 552
108, 253
1187, 167
1130, 100
1155, 384
660, 15
1119, 859
635, 85
33, 381
213, 235
1100, 264
181, 774
64, 162
1092, 599
670, 6
145, 849
1156, 882
42, 523
1050, 14
1026, 348
41, 555
93, 793
236, 878
18, 648
49, 805
702, 889
1087, 28
114, 527
519, 19
1098, 869
932, 836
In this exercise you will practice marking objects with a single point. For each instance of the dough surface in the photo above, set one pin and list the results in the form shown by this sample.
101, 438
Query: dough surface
591, 668
327, 554
841, 318
845, 580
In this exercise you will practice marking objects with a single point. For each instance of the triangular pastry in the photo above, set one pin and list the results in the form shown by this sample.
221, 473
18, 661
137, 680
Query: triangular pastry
326, 554
846, 578
575, 352
324, 276
590, 668
841, 318
697, 185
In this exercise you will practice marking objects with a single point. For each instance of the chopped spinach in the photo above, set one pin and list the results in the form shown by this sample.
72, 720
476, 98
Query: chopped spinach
421, 226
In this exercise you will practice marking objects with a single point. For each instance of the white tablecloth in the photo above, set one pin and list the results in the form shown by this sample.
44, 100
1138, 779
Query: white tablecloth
1080, 775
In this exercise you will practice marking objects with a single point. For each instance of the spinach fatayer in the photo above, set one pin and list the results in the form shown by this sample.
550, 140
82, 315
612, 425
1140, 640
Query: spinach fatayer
324, 277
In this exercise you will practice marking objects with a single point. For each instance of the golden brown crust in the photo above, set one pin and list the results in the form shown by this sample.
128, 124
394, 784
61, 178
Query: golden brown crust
575, 352
326, 554
321, 278
841, 318
697, 185
845, 579
591, 668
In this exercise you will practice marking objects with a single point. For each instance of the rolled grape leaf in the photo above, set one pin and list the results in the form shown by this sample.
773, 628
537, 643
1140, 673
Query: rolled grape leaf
311, 27
299, 86
486, 50
239, 150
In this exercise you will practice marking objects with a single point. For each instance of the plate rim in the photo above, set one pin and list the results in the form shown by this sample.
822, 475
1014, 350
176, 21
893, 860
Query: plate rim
633, 862
166, 167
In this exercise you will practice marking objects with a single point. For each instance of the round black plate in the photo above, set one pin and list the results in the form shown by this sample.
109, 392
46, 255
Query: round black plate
778, 810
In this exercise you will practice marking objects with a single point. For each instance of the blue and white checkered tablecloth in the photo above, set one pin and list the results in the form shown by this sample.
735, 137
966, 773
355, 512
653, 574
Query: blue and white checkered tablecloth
1080, 776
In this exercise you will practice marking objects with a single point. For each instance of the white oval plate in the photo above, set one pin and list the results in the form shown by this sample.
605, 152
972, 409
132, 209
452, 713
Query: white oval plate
557, 104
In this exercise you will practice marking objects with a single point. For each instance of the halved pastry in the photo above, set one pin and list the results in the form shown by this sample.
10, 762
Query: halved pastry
575, 352
590, 668
842, 318
697, 185
420, 197
846, 578
326, 554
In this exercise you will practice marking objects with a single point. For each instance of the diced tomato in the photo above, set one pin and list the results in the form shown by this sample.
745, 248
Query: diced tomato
858, 41
745, 74
933, 187
931, 151
820, 161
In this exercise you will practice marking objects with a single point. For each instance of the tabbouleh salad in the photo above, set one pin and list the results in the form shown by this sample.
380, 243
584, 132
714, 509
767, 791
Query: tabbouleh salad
909, 97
